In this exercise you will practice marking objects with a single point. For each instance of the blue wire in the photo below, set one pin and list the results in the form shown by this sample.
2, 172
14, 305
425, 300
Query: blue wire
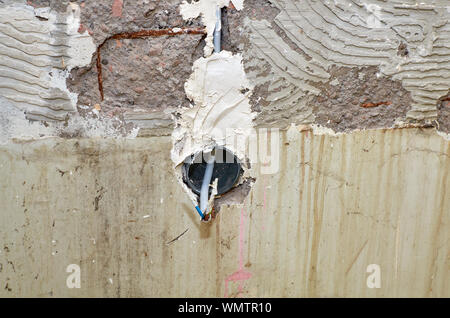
200, 212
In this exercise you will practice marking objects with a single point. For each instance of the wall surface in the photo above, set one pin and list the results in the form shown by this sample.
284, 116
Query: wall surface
101, 101
337, 205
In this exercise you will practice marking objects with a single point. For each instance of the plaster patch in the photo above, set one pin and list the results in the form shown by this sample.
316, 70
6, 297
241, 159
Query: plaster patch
322, 130
374, 18
221, 114
444, 135
14, 125
220, 92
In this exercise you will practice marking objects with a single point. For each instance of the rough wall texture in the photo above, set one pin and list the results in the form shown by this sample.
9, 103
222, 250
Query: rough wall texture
144, 76
102, 18
444, 113
291, 56
167, 61
391, 59
147, 74
351, 99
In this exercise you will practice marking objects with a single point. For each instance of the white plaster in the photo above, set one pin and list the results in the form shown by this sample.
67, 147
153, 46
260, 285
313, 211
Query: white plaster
374, 18
81, 45
13, 124
443, 135
42, 12
321, 130
219, 90
220, 113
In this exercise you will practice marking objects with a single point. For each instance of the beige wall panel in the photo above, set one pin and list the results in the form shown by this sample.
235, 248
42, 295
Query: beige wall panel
337, 205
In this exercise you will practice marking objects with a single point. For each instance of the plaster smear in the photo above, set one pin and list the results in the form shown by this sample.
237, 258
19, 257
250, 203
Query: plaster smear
14, 125
207, 10
221, 112
38, 48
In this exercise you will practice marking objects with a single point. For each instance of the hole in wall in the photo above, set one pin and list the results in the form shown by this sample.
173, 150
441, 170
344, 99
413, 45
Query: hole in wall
227, 169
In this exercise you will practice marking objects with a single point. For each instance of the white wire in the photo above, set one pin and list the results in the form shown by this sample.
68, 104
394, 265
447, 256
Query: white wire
204, 191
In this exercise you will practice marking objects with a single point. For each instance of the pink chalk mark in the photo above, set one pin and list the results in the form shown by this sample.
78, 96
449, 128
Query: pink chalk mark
265, 202
117, 8
241, 275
